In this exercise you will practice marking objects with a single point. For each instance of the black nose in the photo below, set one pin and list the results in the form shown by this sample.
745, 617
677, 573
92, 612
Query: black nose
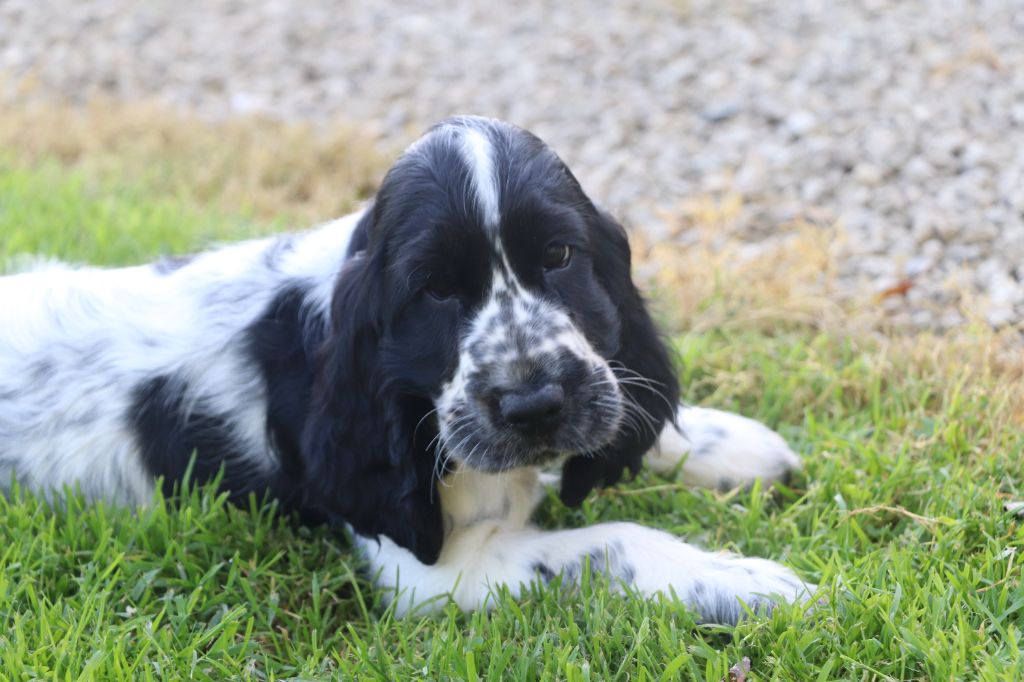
533, 409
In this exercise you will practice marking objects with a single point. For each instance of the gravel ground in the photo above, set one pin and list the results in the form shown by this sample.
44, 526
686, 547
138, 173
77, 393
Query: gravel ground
903, 121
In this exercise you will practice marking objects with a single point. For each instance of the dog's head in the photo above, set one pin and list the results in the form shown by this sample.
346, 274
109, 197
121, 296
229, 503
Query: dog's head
486, 315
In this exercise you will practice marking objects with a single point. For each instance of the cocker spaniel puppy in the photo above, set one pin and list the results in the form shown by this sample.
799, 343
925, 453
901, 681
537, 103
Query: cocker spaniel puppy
405, 373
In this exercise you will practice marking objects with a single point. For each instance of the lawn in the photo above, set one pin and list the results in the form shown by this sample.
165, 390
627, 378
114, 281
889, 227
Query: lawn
913, 444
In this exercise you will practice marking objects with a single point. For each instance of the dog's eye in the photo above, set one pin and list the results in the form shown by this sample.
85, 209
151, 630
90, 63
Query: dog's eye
440, 287
556, 256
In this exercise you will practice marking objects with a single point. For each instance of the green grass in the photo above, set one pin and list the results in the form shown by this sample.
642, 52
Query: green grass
73, 215
898, 516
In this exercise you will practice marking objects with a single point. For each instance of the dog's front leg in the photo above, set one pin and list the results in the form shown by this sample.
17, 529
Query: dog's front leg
490, 543
721, 450
477, 559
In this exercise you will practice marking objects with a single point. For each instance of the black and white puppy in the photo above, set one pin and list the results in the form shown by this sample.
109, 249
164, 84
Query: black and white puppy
405, 372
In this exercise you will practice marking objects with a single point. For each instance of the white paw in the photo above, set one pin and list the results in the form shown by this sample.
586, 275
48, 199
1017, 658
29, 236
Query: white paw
720, 587
722, 450
747, 583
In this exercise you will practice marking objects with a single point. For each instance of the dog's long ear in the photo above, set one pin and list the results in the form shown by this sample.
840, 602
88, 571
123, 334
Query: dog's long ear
641, 355
362, 464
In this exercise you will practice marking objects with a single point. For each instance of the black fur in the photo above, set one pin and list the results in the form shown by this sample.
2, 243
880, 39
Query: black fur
170, 432
364, 461
639, 349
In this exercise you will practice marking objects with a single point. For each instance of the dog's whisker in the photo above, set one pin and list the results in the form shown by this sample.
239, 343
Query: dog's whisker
416, 429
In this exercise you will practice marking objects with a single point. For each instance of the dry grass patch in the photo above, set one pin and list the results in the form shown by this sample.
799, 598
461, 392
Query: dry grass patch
706, 281
255, 166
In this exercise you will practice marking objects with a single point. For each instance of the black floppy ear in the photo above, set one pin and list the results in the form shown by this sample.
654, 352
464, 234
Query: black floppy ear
640, 352
362, 464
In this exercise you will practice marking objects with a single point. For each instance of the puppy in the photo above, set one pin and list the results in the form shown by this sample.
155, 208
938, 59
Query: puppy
404, 373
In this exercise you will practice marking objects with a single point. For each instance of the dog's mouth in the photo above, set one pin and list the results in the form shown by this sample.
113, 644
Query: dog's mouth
476, 437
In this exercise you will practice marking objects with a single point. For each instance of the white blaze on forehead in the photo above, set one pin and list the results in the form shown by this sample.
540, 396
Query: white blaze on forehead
478, 153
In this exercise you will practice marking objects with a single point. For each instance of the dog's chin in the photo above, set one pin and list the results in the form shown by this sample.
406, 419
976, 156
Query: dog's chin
497, 465
524, 454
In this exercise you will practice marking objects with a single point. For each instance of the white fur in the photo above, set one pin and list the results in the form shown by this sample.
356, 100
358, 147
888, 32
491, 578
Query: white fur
722, 450
478, 154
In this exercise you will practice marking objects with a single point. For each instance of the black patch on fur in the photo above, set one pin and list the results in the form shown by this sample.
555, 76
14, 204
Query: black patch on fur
709, 440
722, 606
171, 264
171, 425
608, 561
704, 449
282, 342
41, 370
544, 571
277, 249
169, 429
716, 432
627, 573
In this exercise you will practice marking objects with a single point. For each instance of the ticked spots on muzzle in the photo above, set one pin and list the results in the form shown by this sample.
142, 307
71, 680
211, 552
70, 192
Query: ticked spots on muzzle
528, 387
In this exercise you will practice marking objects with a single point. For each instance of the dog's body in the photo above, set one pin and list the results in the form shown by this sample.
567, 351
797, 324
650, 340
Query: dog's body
91, 361
405, 372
